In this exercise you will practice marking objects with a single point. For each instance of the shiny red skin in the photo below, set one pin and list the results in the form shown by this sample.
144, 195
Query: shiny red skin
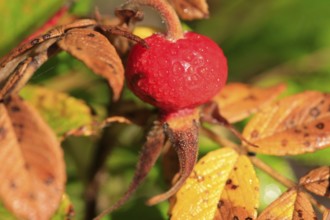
176, 75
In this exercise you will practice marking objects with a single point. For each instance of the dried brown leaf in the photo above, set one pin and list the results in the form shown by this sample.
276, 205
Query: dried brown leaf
32, 171
317, 181
294, 125
240, 197
191, 9
291, 205
97, 53
22, 73
18, 65
237, 101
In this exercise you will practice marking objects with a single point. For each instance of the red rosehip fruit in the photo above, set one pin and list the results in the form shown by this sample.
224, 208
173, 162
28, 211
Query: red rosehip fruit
176, 75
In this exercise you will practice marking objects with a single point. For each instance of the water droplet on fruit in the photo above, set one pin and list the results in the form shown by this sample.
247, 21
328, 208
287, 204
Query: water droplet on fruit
177, 67
185, 65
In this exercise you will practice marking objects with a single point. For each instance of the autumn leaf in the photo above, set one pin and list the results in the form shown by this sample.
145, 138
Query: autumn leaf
97, 53
317, 181
18, 65
61, 112
198, 198
293, 125
15, 73
291, 205
237, 101
191, 9
240, 197
32, 171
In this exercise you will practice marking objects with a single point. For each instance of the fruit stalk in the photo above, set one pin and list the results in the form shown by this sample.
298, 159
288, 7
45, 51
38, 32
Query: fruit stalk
168, 15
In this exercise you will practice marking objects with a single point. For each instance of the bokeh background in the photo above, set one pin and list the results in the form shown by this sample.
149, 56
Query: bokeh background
266, 42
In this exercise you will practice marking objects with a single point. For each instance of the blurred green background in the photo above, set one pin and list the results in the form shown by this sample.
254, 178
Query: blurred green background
266, 42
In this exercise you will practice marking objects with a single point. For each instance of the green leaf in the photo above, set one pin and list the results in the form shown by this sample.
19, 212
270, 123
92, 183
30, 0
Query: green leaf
62, 112
21, 18
65, 211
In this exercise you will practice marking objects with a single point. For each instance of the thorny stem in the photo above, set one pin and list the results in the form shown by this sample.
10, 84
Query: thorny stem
169, 16
261, 165
286, 182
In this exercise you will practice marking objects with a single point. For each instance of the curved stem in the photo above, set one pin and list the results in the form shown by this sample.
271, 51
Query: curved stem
169, 16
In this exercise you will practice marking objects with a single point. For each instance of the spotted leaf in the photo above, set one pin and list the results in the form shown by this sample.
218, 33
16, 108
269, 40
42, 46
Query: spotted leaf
97, 53
240, 197
32, 171
294, 125
191, 9
19, 64
317, 181
291, 205
237, 101
199, 196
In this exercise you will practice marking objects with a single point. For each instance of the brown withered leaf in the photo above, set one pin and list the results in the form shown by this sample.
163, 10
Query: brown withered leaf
32, 170
240, 197
191, 9
293, 125
20, 63
97, 53
237, 101
198, 198
317, 181
291, 205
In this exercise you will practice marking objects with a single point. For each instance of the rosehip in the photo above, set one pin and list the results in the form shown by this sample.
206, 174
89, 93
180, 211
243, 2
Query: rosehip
175, 75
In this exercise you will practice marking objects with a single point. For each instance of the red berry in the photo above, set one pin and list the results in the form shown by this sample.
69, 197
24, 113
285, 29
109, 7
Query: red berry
175, 75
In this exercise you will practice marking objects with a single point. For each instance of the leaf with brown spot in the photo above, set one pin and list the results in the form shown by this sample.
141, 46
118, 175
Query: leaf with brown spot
317, 181
97, 53
291, 205
237, 101
293, 125
17, 72
19, 64
240, 196
191, 9
199, 196
32, 170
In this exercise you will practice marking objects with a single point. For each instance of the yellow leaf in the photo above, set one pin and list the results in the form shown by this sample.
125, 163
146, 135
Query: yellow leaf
294, 125
291, 205
237, 101
317, 181
240, 198
199, 196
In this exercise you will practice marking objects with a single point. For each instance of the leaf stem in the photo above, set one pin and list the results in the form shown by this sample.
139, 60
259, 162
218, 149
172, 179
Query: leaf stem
169, 16
285, 181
